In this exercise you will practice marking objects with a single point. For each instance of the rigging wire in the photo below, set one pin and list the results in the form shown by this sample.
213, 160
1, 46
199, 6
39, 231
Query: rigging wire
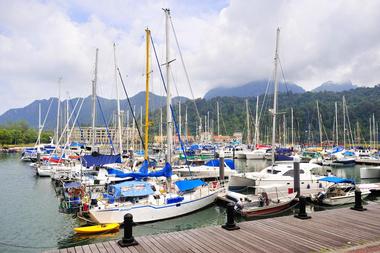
130, 108
184, 67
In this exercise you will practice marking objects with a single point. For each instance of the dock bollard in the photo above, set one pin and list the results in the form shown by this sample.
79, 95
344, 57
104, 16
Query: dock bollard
358, 202
302, 209
128, 239
230, 224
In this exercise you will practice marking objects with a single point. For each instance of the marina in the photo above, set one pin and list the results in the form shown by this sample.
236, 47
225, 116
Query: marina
191, 127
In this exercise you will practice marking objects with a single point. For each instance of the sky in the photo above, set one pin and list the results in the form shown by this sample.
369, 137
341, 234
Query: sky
223, 43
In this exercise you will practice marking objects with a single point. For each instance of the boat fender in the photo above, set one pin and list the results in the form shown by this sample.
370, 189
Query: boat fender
308, 186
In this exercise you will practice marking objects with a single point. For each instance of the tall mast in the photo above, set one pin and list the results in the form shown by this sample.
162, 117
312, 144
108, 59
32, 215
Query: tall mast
169, 126
186, 130
141, 126
133, 128
208, 124
248, 131
370, 132
39, 124
284, 127
67, 118
161, 127
256, 138
179, 118
147, 75
319, 125
94, 99
119, 128
336, 123
344, 123
128, 130
58, 110
217, 116
275, 97
292, 122
374, 130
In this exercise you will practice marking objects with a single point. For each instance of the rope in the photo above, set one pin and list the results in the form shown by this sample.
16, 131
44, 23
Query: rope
105, 123
130, 107
184, 67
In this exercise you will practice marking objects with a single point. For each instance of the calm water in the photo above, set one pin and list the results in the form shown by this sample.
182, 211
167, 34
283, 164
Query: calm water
30, 218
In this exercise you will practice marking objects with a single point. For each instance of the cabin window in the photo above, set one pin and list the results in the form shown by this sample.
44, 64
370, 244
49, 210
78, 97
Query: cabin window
290, 173
273, 172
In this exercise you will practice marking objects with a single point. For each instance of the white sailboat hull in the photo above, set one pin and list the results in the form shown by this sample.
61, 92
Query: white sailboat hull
149, 213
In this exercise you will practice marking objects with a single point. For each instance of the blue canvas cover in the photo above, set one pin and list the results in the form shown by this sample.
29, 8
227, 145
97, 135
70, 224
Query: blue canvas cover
215, 163
164, 172
143, 172
99, 160
131, 189
337, 180
185, 185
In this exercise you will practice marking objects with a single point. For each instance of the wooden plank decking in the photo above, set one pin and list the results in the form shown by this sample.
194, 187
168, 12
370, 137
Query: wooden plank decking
327, 230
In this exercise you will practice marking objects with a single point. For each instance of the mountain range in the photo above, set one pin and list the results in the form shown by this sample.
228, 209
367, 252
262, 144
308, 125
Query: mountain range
335, 87
29, 113
252, 89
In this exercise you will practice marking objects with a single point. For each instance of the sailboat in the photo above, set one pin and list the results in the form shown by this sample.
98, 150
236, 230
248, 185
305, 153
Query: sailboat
159, 198
281, 175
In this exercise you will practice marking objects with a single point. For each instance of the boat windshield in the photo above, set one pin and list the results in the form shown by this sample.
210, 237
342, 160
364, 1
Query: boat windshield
270, 171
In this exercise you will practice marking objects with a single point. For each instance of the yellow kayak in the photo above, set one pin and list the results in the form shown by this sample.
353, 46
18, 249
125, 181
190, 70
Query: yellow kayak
103, 228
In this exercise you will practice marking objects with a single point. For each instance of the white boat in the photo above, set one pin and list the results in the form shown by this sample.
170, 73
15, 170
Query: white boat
370, 172
278, 174
340, 192
148, 203
208, 170
258, 154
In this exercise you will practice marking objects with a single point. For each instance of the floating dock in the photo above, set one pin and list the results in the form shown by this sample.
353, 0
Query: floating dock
340, 229
367, 161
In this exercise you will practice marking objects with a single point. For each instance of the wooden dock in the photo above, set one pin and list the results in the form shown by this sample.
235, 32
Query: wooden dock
339, 229
367, 161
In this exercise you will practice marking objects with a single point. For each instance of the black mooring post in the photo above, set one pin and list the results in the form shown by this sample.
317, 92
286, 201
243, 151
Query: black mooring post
221, 166
128, 239
302, 209
297, 187
230, 224
358, 202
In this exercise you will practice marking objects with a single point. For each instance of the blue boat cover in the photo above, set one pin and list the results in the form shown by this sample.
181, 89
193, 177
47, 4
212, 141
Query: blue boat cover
131, 189
143, 172
215, 163
337, 180
71, 185
185, 185
165, 172
99, 160
336, 149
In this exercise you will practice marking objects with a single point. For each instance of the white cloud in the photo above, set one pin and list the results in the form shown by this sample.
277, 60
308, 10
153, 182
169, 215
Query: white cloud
223, 44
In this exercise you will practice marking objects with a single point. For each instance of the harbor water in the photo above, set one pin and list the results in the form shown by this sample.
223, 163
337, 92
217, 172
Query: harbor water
30, 221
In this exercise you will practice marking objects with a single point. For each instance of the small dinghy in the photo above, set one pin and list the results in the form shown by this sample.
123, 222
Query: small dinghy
103, 228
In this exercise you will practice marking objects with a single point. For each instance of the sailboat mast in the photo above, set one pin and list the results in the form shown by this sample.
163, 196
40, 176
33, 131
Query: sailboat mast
217, 116
292, 122
179, 119
58, 110
256, 139
94, 100
275, 98
319, 125
39, 124
344, 123
119, 128
141, 126
67, 119
336, 123
161, 127
248, 131
147, 75
169, 126
186, 130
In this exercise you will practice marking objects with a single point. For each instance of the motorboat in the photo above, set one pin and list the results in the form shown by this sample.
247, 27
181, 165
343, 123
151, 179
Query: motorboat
340, 191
